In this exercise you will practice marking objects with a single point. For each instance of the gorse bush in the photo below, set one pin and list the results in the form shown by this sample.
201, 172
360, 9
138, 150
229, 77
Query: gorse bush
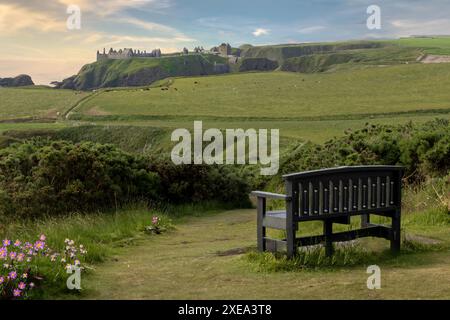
423, 149
43, 177
187, 183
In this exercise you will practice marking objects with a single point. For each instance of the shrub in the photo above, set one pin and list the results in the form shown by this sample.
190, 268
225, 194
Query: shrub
41, 177
423, 149
197, 183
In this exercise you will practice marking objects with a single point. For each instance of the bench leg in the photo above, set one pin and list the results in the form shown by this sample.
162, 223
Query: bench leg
291, 228
328, 232
365, 220
396, 232
290, 240
261, 231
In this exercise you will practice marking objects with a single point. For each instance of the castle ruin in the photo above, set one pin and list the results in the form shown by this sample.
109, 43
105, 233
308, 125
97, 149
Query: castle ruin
127, 53
223, 50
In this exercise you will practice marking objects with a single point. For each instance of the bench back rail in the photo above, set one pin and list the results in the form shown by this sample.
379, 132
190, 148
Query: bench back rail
344, 190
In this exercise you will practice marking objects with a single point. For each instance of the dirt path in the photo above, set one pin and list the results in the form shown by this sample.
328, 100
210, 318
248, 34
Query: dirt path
202, 260
435, 59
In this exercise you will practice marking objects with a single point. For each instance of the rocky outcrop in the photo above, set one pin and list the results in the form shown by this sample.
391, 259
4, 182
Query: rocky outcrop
19, 81
142, 77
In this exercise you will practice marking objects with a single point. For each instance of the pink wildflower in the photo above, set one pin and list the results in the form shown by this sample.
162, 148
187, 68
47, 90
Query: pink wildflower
12, 255
39, 245
42, 237
155, 220
22, 285
17, 243
2, 279
3, 252
12, 275
6, 242
17, 293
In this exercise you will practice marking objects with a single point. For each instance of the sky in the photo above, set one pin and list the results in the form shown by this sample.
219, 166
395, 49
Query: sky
36, 40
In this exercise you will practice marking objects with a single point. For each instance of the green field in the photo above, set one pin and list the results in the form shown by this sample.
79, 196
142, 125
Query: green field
20, 103
280, 95
313, 107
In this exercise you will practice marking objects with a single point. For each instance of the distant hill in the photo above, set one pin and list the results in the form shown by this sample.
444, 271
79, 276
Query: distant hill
19, 81
351, 58
282, 52
142, 71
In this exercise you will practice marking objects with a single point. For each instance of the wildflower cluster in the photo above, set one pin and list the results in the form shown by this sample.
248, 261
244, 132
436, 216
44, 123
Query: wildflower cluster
156, 226
71, 254
18, 269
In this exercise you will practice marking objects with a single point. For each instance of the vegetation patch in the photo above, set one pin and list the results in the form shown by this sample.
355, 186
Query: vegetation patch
43, 177
36, 103
423, 149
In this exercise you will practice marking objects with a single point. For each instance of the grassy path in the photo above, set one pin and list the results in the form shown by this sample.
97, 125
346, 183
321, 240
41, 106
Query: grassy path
202, 260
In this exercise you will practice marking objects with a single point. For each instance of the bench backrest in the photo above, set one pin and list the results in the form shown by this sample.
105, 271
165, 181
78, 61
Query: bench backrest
345, 190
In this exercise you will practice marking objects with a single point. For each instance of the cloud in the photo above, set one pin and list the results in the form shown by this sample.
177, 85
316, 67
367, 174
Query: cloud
117, 39
261, 32
108, 7
102, 40
15, 18
150, 26
50, 15
310, 30
405, 27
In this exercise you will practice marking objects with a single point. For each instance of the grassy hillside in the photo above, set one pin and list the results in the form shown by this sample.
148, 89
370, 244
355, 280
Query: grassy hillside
344, 95
140, 71
280, 53
30, 102
352, 59
431, 45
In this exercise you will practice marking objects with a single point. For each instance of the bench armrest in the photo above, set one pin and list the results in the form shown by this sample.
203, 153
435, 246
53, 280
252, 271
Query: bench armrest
262, 194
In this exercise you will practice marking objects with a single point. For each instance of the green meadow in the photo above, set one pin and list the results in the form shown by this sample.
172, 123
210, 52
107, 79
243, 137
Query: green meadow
312, 107
47, 103
282, 95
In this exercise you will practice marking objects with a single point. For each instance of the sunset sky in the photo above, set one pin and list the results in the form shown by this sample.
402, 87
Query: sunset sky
35, 40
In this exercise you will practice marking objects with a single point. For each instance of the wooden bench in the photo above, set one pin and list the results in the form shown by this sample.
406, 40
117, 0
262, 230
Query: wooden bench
333, 196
